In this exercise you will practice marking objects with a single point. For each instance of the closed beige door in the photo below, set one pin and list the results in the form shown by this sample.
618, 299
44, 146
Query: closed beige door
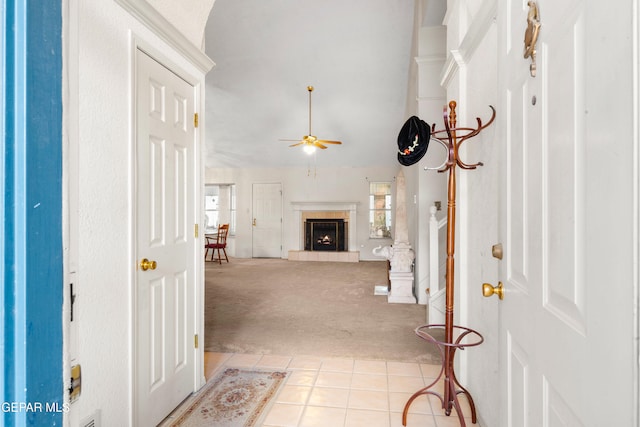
267, 220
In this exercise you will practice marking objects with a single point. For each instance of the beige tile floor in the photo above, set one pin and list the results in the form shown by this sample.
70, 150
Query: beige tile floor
331, 392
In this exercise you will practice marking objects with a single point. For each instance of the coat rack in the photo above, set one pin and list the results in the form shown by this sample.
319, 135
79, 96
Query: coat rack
450, 337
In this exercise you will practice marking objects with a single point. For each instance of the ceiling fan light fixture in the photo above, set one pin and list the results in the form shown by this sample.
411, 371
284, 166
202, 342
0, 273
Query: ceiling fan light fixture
310, 142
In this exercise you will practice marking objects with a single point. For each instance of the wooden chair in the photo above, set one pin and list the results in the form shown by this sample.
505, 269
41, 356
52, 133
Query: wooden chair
218, 243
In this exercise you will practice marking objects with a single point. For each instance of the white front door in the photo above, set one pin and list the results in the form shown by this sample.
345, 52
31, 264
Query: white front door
165, 295
267, 220
566, 322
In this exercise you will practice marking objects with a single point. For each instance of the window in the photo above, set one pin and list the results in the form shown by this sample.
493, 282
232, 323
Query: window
211, 212
379, 210
220, 207
232, 210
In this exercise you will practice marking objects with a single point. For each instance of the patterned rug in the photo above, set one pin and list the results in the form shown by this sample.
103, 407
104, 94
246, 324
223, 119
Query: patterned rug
233, 398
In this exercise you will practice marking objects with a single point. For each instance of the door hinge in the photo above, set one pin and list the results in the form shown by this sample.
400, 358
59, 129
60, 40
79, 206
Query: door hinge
195, 230
195, 341
195, 120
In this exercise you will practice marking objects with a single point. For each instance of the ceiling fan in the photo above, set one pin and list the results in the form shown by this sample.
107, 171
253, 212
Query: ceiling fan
310, 142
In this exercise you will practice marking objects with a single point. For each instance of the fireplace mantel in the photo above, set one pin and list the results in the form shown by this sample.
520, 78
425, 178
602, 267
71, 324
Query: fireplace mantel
320, 206
326, 206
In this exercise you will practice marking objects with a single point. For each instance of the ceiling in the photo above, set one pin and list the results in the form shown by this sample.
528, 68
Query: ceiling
357, 55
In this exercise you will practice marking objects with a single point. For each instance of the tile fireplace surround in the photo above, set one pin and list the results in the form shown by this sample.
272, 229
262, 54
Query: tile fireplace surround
325, 210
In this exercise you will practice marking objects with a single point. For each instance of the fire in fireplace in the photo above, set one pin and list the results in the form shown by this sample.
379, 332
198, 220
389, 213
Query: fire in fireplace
325, 235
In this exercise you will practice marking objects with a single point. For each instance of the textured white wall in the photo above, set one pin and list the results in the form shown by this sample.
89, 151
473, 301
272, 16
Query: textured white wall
188, 16
473, 84
428, 186
98, 116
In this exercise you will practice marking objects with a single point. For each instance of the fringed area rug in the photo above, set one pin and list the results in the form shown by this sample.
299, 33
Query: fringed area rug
233, 398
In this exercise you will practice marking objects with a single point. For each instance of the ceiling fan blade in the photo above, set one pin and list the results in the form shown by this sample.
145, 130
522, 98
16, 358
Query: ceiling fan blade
295, 145
290, 140
324, 141
317, 144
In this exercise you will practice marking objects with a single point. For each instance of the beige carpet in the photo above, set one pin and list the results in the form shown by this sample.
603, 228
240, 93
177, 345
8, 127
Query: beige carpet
274, 306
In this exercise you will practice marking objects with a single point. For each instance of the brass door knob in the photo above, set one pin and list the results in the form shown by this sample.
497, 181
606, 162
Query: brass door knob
145, 264
488, 290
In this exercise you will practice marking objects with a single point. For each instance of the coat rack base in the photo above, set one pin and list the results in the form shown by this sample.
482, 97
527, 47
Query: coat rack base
435, 334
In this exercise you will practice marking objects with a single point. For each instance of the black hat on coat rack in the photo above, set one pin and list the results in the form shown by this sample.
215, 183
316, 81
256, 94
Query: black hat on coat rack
413, 141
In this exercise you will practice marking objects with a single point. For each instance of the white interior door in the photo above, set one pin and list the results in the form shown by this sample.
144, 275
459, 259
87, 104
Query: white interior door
267, 220
165, 295
559, 345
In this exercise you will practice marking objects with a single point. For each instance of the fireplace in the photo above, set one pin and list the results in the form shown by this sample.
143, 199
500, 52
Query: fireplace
325, 234
328, 219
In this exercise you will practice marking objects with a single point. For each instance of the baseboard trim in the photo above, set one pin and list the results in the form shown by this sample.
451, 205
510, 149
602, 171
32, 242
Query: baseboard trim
324, 256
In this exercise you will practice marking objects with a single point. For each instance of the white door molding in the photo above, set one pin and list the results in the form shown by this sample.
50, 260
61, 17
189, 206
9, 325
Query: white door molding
158, 24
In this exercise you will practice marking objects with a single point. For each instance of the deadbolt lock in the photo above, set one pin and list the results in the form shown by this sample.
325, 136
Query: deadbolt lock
496, 251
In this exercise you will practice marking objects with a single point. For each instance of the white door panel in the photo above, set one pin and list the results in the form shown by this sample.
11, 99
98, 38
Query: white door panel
521, 228
165, 365
548, 366
267, 220
517, 370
